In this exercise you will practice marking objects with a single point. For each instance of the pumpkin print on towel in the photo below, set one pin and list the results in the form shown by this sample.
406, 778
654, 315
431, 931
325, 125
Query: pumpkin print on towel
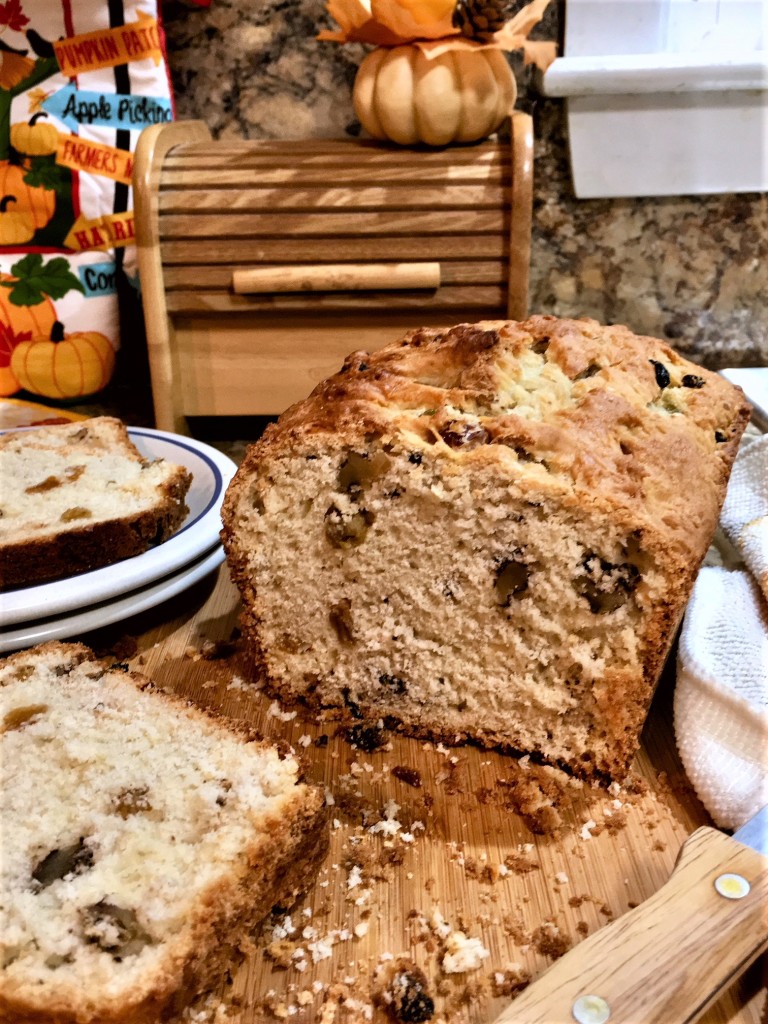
19, 323
38, 295
79, 80
60, 365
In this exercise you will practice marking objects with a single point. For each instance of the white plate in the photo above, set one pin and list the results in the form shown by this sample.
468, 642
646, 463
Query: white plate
67, 626
211, 472
754, 381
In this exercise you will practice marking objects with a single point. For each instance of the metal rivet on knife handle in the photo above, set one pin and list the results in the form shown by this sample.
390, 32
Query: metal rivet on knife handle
590, 1010
733, 887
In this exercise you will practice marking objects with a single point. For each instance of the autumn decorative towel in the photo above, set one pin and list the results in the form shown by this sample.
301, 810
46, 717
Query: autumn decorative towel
79, 79
721, 696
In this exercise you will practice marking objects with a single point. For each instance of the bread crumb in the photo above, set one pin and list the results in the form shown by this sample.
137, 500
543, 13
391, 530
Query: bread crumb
550, 941
511, 981
586, 829
401, 988
284, 716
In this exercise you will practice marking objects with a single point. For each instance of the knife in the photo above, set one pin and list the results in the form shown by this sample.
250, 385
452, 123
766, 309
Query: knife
669, 959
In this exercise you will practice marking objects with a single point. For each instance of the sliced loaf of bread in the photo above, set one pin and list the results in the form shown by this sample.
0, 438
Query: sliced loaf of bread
487, 532
78, 496
141, 840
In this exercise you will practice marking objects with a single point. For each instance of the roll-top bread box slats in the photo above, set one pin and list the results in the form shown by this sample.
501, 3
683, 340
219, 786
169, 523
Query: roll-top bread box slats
263, 263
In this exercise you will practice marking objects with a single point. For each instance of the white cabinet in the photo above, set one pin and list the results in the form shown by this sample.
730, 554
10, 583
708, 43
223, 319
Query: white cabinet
665, 97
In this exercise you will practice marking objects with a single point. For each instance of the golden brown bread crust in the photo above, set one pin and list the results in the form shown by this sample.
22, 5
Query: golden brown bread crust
276, 867
607, 447
597, 419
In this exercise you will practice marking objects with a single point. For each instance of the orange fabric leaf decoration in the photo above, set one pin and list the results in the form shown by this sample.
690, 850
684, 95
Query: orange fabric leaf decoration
356, 25
416, 19
428, 24
389, 22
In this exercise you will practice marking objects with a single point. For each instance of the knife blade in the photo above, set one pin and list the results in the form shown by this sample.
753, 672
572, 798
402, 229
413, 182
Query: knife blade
668, 960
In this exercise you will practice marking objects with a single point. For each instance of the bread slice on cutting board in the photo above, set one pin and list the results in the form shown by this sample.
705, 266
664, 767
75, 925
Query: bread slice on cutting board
142, 840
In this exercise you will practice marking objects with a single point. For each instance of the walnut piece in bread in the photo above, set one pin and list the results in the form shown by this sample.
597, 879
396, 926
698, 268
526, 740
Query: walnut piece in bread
142, 840
79, 496
486, 532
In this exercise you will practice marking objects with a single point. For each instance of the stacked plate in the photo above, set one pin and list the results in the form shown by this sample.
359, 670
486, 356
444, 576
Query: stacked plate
69, 607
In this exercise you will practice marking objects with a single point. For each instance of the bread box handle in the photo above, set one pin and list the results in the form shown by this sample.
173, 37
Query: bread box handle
336, 277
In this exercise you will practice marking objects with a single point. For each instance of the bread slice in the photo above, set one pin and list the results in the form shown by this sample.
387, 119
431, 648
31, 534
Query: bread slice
78, 496
141, 839
487, 532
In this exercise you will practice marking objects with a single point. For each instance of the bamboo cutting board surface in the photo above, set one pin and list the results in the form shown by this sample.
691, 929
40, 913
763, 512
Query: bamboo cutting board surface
423, 845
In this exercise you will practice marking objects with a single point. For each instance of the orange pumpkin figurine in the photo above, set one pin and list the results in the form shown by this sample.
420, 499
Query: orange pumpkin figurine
64, 365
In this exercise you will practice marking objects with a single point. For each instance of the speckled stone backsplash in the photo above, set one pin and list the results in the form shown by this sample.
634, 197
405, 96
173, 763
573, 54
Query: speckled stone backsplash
692, 269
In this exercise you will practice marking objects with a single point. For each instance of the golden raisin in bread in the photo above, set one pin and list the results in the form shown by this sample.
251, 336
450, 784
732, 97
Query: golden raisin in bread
487, 532
78, 496
141, 840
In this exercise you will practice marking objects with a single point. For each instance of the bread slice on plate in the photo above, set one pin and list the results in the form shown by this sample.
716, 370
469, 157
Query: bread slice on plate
141, 840
79, 496
486, 532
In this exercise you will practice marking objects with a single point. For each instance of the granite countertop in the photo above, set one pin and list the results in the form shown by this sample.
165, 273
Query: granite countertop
691, 269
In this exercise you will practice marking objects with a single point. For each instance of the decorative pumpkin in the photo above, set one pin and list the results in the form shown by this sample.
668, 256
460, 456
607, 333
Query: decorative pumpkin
40, 202
17, 324
35, 321
461, 95
16, 225
35, 138
64, 365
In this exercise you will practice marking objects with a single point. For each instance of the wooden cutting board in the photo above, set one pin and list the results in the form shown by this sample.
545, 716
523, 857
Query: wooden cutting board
449, 856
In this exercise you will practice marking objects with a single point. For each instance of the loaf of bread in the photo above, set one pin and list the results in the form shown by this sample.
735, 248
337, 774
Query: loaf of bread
486, 532
78, 496
141, 840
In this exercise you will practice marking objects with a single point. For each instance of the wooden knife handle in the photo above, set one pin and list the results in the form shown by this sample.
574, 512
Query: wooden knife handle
336, 277
669, 959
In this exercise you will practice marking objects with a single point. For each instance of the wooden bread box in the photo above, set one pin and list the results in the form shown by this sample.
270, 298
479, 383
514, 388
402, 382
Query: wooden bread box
264, 263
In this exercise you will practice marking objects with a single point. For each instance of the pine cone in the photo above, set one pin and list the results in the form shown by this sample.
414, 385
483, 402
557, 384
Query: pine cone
479, 19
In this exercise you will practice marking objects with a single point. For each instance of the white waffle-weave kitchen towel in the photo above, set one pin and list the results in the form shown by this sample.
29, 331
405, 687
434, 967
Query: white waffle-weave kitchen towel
721, 695
744, 517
